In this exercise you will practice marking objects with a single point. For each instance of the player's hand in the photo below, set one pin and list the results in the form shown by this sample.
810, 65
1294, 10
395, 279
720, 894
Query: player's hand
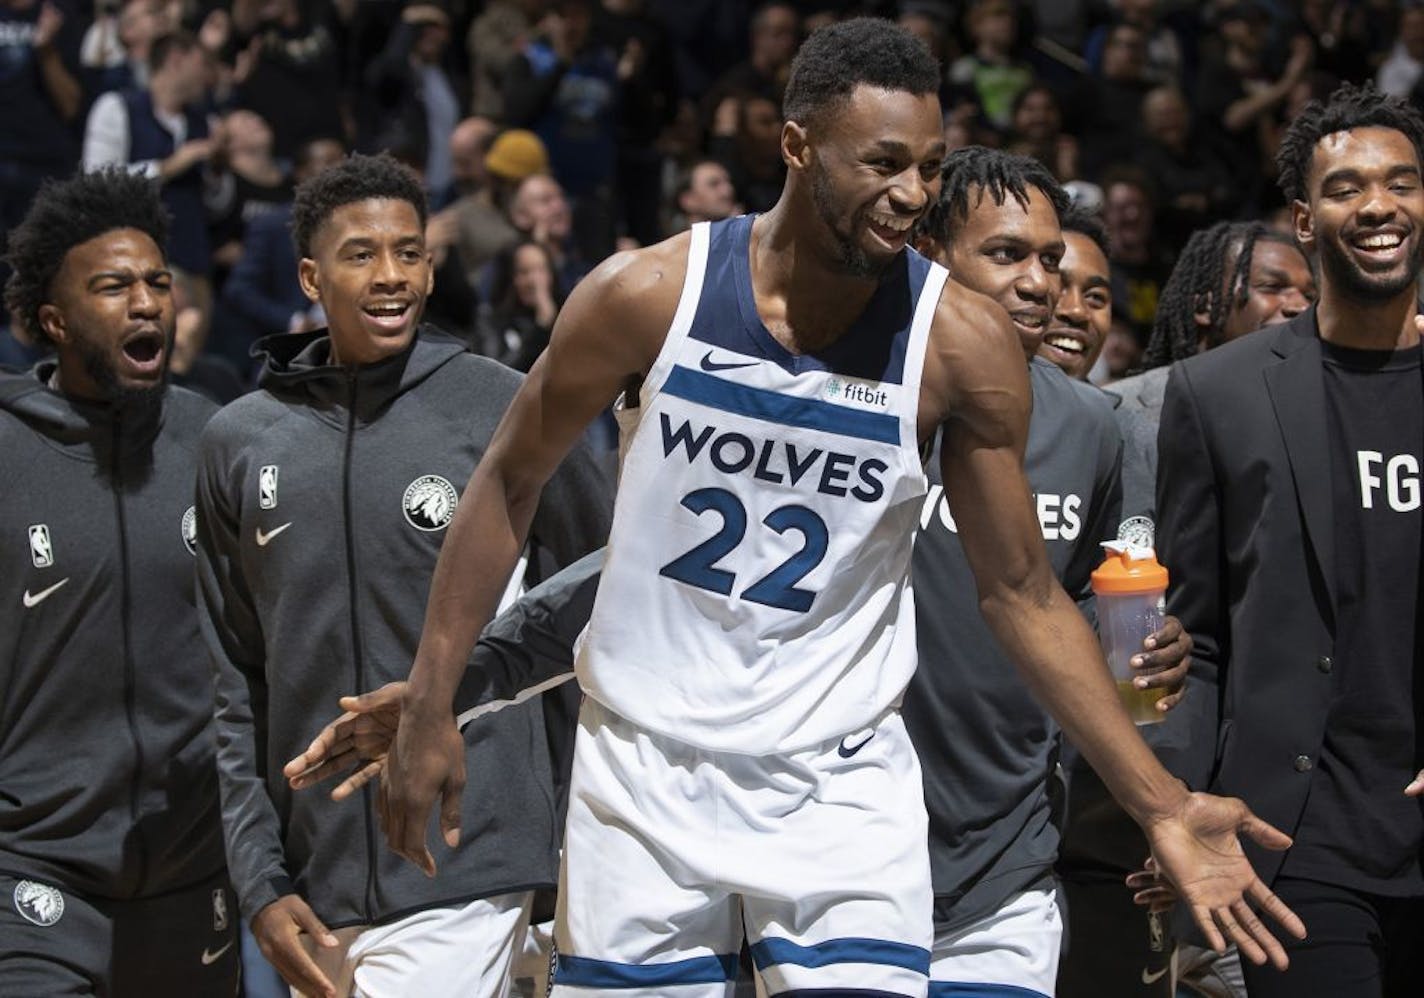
427, 762
1416, 786
1152, 890
47, 26
1163, 662
277, 928
356, 743
1198, 850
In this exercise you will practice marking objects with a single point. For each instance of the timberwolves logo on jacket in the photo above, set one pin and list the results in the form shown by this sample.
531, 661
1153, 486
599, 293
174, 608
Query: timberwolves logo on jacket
38, 903
429, 503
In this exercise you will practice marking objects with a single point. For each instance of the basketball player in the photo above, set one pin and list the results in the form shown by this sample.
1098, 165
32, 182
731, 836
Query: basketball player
323, 500
740, 748
111, 862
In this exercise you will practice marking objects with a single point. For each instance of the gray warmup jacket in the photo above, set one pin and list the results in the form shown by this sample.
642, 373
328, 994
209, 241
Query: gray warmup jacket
323, 502
107, 781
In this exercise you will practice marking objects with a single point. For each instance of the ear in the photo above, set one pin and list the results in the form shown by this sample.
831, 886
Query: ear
309, 278
1201, 310
1303, 221
795, 146
52, 324
429, 273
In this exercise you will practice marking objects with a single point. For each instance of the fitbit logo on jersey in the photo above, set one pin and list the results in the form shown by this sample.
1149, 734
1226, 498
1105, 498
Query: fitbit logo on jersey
776, 461
857, 394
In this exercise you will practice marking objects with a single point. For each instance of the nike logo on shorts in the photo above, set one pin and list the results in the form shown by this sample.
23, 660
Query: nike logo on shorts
846, 751
708, 364
264, 539
1153, 978
211, 957
42, 595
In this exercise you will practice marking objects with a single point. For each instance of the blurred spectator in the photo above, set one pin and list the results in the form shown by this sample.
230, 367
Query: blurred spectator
1122, 352
1164, 59
40, 101
525, 299
262, 294
495, 40
990, 75
414, 101
746, 139
1339, 31
704, 193
259, 185
1400, 72
1064, 23
162, 131
1038, 132
647, 102
1109, 104
114, 53
539, 210
928, 20
287, 69
564, 87
1238, 94
485, 169
1140, 267
1193, 184
775, 36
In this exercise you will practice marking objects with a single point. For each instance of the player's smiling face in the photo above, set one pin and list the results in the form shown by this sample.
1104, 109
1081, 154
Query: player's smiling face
1010, 252
874, 169
371, 273
1084, 311
1365, 211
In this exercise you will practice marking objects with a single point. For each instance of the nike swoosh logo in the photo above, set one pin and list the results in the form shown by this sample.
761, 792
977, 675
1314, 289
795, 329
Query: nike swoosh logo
708, 364
1153, 978
264, 539
42, 595
846, 751
209, 958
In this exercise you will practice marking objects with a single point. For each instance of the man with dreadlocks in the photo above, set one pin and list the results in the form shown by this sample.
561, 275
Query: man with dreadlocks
110, 845
1230, 280
1290, 514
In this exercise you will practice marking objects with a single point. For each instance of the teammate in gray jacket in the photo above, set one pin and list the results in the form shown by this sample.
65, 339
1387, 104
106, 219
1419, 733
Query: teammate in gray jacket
323, 499
111, 864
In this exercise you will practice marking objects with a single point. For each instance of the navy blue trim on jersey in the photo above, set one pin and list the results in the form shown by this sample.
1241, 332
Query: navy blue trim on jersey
586, 972
882, 952
837, 993
961, 990
872, 347
773, 407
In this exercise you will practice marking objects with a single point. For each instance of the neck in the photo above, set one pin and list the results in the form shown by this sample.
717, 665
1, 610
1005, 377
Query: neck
802, 291
165, 96
1368, 325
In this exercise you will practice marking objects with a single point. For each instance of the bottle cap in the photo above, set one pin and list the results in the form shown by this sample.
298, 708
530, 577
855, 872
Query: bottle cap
1129, 568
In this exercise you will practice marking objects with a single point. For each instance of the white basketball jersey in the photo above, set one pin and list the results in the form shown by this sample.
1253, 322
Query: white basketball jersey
756, 594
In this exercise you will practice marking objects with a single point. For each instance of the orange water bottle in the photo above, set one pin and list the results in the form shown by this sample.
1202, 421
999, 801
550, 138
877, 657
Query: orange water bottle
1132, 601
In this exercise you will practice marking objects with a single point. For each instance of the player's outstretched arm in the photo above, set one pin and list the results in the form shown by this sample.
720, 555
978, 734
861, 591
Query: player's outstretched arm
606, 337
977, 385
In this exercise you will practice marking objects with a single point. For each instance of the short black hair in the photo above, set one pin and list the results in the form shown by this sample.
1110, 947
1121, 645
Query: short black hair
165, 45
1212, 273
1351, 106
65, 214
1076, 218
356, 178
841, 56
994, 172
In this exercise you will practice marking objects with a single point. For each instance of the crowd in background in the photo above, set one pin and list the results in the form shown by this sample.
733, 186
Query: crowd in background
550, 133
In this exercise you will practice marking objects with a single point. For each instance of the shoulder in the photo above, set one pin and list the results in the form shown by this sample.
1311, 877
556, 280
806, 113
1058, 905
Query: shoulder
1231, 366
236, 424
640, 287
484, 373
971, 331
1068, 401
111, 104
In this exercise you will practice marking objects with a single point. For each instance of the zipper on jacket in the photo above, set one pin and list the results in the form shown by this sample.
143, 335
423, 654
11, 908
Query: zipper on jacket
130, 678
351, 594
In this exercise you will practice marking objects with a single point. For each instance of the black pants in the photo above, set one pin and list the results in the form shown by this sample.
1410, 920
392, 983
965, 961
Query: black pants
54, 942
1360, 945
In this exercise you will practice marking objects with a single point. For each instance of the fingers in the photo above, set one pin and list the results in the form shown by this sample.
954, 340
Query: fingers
450, 809
1171, 700
353, 783
1280, 913
1263, 834
278, 930
327, 743
1416, 785
1201, 914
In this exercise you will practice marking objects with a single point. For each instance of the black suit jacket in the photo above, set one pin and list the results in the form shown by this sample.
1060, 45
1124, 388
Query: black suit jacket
1244, 527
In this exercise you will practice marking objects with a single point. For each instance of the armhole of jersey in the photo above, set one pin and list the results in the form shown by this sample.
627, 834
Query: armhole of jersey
686, 311
915, 348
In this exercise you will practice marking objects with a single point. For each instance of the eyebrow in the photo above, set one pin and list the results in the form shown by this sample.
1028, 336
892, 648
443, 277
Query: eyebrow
370, 241
1271, 273
900, 149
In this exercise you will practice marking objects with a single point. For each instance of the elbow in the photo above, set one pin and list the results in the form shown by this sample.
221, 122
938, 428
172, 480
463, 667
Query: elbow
1019, 593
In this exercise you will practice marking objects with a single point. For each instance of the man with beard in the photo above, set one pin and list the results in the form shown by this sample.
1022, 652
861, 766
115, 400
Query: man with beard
741, 762
110, 843
1289, 512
